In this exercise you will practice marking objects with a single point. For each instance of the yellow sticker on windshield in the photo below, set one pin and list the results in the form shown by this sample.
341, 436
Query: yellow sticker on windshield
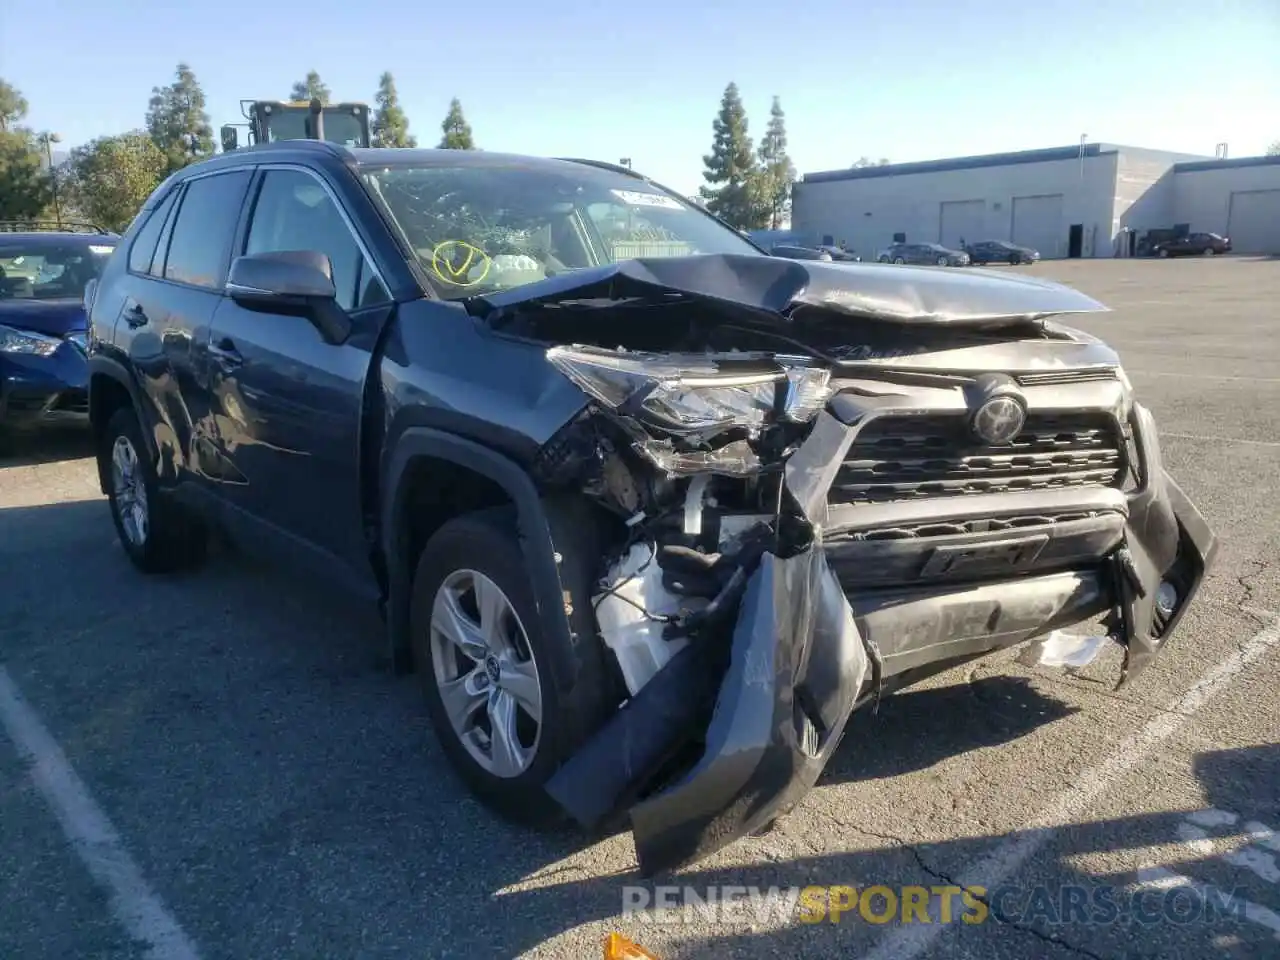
459, 263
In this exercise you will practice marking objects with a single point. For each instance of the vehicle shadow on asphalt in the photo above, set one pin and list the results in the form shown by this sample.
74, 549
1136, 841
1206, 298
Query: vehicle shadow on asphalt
1030, 912
240, 718
918, 728
25, 450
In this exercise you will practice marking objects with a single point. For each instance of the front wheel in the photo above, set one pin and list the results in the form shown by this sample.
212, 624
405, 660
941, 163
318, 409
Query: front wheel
157, 534
899, 260
503, 716
941, 261
1163, 254
1208, 252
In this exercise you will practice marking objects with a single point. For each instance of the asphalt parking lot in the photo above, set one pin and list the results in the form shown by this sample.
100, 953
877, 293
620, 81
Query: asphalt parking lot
215, 765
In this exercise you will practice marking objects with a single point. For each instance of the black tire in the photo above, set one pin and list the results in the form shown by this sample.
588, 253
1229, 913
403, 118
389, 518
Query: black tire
174, 539
899, 260
1015, 260
572, 708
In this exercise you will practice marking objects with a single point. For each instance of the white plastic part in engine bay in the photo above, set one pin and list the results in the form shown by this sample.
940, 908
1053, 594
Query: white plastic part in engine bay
631, 612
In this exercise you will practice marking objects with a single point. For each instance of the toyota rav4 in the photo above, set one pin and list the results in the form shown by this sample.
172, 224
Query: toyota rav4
649, 512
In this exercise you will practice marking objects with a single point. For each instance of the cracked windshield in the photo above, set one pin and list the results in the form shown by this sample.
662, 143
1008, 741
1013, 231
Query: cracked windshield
482, 227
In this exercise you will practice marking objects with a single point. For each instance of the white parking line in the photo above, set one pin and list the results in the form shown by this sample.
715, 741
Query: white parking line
94, 839
1199, 376
909, 942
1158, 878
1208, 439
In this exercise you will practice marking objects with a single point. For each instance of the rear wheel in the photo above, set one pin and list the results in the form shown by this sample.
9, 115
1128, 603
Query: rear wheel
503, 717
1208, 252
157, 534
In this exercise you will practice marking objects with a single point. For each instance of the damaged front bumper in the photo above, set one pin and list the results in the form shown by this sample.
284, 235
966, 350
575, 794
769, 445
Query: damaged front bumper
831, 626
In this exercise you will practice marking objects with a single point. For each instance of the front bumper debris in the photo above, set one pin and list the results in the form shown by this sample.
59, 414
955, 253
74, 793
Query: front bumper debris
810, 645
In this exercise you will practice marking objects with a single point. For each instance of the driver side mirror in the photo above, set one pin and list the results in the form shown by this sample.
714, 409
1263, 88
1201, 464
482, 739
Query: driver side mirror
290, 282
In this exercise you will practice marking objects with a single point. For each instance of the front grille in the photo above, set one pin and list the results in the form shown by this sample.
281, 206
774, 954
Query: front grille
908, 458
1060, 377
955, 528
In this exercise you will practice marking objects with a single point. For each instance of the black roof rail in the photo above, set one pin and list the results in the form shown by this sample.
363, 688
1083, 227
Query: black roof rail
51, 226
306, 143
605, 165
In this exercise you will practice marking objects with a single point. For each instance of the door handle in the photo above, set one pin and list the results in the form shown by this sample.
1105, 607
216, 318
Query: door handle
226, 354
134, 315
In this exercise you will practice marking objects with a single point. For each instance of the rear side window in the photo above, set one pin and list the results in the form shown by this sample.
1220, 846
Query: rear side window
203, 231
143, 250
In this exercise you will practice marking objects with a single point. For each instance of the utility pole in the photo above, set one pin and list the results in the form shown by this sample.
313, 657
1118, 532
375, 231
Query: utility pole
1083, 138
48, 140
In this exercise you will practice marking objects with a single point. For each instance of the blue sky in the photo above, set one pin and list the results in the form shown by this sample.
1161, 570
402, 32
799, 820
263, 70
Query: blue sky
908, 80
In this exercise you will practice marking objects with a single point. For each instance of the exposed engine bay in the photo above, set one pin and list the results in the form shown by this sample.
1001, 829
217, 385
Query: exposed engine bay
830, 481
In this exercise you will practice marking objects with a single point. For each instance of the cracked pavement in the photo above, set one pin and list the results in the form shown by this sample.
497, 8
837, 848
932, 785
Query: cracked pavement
285, 797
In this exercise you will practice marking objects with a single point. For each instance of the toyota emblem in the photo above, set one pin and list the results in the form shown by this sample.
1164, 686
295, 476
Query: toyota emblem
999, 420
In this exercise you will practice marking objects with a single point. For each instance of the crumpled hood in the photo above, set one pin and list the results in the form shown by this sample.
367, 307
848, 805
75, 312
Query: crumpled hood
55, 318
771, 285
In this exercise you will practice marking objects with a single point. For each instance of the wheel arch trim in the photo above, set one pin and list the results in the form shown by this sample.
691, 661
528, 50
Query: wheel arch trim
118, 373
533, 529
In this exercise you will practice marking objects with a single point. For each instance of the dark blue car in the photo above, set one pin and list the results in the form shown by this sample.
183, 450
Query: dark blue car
43, 372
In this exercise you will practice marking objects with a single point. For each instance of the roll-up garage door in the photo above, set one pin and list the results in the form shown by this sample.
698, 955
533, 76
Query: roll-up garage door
962, 220
1037, 223
1254, 221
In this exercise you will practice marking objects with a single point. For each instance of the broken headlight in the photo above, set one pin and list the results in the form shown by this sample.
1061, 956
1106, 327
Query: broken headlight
698, 395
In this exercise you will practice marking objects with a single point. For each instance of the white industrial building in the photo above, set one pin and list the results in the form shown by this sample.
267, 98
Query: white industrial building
1090, 200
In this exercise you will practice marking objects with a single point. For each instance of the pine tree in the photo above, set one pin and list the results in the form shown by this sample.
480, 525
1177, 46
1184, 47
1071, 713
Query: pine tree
177, 121
390, 125
312, 88
777, 173
457, 132
731, 166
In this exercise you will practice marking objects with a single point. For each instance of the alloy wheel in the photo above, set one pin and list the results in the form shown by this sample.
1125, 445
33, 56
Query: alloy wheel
485, 673
130, 491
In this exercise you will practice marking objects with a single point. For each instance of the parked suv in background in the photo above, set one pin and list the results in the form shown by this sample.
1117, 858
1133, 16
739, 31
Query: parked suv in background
924, 253
44, 270
739, 494
1000, 251
1192, 245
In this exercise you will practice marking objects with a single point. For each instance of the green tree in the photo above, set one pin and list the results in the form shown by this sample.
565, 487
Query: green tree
731, 171
177, 121
312, 88
457, 132
110, 178
13, 107
25, 186
390, 126
777, 172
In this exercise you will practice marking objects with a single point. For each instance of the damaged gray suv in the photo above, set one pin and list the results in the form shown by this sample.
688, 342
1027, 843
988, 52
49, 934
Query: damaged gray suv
649, 512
